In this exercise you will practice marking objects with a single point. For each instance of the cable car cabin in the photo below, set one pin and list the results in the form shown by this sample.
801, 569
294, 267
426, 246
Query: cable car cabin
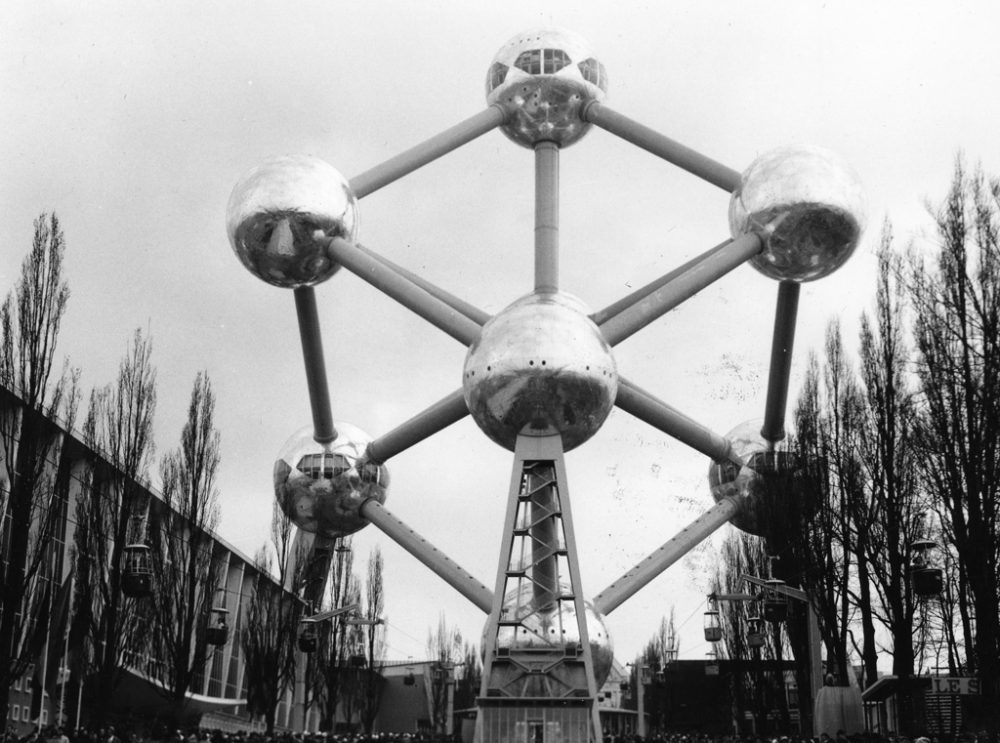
713, 627
926, 575
218, 631
137, 571
409, 679
358, 661
307, 638
755, 632
775, 605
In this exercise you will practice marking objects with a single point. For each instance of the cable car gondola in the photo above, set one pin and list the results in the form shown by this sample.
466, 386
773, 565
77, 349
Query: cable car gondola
137, 571
755, 632
775, 604
926, 575
218, 632
713, 626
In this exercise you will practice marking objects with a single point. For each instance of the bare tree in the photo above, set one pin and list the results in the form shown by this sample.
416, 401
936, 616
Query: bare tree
374, 642
444, 649
32, 499
272, 616
111, 509
957, 331
186, 570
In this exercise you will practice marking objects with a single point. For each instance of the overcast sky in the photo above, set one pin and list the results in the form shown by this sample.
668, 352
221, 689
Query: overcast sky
133, 121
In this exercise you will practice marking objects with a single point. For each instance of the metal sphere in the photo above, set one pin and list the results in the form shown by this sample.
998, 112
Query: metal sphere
768, 482
540, 630
814, 204
320, 487
541, 362
274, 211
542, 78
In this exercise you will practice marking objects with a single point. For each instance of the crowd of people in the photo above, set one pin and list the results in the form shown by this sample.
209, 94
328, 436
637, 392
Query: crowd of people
109, 734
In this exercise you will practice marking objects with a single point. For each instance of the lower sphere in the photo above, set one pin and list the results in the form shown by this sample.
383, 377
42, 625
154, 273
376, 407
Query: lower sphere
553, 629
320, 487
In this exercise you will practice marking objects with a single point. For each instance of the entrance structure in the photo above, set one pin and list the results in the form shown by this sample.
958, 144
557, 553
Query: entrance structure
540, 377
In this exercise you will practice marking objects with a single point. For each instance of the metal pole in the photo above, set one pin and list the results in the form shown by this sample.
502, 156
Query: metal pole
546, 216
632, 399
312, 355
472, 312
641, 721
781, 361
446, 569
427, 151
642, 136
624, 303
436, 418
404, 291
713, 266
672, 550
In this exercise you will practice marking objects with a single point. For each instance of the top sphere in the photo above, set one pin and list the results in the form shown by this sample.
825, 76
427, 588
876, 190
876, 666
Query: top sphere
273, 212
542, 78
814, 204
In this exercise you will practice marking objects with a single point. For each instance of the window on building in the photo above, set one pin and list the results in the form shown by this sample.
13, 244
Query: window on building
496, 76
555, 60
530, 62
15, 713
593, 72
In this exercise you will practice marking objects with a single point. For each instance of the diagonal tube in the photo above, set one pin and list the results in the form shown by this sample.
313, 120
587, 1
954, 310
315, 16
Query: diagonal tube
785, 313
312, 354
712, 266
670, 552
415, 157
472, 312
642, 136
602, 316
404, 291
439, 416
633, 399
442, 565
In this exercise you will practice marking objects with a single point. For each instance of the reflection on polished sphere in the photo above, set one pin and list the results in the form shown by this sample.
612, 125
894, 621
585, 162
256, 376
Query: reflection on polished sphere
541, 362
320, 487
815, 205
554, 629
542, 79
274, 211
771, 482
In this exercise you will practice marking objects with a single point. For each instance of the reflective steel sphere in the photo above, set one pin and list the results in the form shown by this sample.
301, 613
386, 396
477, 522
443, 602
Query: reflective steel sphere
543, 78
815, 205
320, 487
273, 212
772, 482
554, 629
541, 362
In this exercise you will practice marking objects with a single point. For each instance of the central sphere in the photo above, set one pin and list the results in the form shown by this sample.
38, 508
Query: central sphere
542, 79
540, 363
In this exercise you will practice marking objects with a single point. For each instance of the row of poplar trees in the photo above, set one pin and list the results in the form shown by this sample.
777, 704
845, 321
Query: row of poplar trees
901, 442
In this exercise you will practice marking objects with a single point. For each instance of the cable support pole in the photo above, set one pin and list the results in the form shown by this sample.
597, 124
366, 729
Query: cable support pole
312, 354
406, 162
710, 268
782, 342
404, 291
652, 141
546, 217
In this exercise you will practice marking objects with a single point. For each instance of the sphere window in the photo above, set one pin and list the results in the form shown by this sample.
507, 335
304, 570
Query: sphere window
323, 465
496, 76
530, 62
593, 72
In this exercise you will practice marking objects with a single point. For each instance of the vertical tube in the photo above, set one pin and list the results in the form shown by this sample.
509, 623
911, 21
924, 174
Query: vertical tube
544, 540
312, 355
783, 339
546, 216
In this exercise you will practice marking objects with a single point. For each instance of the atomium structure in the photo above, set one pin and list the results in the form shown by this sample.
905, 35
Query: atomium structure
540, 376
